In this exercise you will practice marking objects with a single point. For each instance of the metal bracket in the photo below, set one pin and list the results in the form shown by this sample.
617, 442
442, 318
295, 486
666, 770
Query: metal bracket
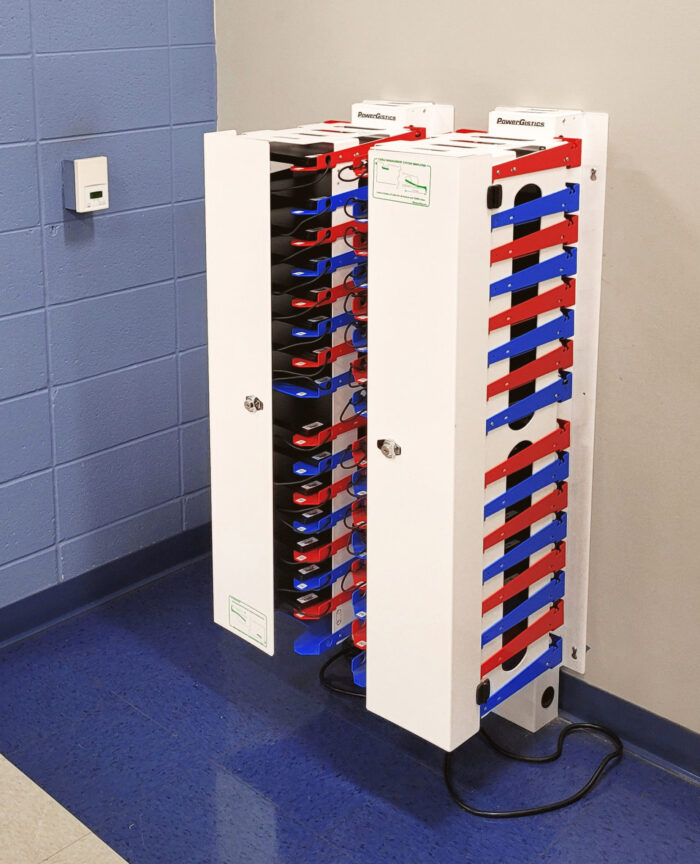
359, 633
558, 391
328, 265
558, 328
321, 236
320, 387
358, 665
332, 202
555, 532
306, 610
327, 461
314, 577
324, 296
550, 593
317, 434
554, 502
547, 660
359, 483
323, 326
356, 154
561, 358
555, 441
308, 549
316, 520
358, 400
566, 155
564, 201
557, 471
359, 603
318, 638
359, 336
562, 233
552, 561
556, 298
558, 266
547, 623
321, 356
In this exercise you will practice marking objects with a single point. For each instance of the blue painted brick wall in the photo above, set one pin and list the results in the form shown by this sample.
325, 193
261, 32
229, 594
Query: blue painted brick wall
104, 436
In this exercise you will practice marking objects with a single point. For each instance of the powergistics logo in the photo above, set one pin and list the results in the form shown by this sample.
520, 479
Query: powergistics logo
521, 122
376, 116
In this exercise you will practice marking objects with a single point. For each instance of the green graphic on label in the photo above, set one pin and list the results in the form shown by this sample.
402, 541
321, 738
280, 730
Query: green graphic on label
401, 180
416, 185
247, 621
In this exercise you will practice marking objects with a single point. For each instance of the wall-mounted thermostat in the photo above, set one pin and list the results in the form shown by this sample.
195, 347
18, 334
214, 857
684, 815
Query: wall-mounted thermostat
85, 184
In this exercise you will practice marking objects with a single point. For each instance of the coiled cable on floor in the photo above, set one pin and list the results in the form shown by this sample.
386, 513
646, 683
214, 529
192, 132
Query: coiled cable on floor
616, 753
570, 729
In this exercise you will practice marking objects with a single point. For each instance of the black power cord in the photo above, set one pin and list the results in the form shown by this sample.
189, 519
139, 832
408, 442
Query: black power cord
571, 729
336, 688
549, 757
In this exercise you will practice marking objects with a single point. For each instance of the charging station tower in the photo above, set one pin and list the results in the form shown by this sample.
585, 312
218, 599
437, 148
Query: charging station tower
403, 333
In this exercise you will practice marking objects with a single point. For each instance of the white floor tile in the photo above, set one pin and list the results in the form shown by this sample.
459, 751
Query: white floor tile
36, 828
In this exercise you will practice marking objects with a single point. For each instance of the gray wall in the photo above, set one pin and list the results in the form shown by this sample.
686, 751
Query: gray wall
281, 64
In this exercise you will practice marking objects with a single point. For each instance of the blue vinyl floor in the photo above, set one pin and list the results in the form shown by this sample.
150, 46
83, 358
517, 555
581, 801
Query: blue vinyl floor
177, 743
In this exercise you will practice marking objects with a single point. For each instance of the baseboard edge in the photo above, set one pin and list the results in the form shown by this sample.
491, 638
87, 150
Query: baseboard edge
66, 599
661, 739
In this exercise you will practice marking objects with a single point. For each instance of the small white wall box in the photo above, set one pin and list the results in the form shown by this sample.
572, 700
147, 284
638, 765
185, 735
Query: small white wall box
85, 184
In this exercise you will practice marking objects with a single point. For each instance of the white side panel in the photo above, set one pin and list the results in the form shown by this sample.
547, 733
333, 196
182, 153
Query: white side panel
588, 284
470, 432
428, 279
237, 189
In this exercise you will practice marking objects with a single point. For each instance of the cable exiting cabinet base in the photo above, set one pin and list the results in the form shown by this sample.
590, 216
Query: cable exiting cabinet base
613, 756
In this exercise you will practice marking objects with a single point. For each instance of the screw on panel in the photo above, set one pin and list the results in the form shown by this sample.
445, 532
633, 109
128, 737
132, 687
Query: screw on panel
252, 404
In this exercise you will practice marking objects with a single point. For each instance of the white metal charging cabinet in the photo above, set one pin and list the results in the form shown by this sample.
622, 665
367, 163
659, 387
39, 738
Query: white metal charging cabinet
483, 288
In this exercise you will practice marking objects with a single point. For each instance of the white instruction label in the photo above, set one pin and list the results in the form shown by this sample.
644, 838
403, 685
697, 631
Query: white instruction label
401, 180
247, 621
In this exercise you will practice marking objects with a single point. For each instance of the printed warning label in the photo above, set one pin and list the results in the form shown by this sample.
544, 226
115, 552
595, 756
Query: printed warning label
247, 621
401, 180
